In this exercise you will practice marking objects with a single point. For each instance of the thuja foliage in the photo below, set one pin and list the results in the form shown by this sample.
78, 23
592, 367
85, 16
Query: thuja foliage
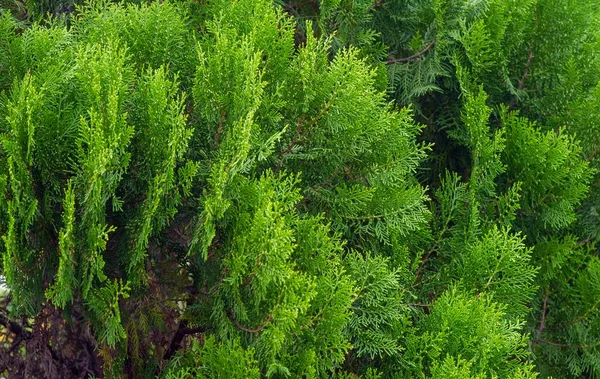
523, 167
256, 204
300, 189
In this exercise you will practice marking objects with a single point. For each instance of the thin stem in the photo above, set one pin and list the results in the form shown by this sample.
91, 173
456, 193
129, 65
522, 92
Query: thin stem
542, 325
413, 57
259, 329
583, 347
530, 57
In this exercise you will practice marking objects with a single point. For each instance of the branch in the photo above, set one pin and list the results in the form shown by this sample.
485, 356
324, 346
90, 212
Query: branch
413, 57
326, 182
426, 307
220, 128
526, 72
584, 346
544, 310
241, 327
577, 319
302, 130
424, 260
299, 133
436, 244
521, 83
182, 331
593, 154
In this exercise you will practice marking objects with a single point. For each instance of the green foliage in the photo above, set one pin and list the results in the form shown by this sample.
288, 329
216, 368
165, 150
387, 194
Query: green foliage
498, 264
215, 360
379, 317
551, 171
61, 292
263, 241
471, 331
301, 189
155, 34
159, 166
565, 336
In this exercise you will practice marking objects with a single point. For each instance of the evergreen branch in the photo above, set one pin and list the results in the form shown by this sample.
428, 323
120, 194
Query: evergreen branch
585, 315
301, 130
20, 266
294, 140
413, 57
426, 307
220, 128
435, 245
331, 177
424, 261
544, 310
543, 199
372, 217
526, 72
314, 319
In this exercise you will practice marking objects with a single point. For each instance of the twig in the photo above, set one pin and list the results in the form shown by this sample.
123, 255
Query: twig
544, 310
329, 179
299, 133
413, 57
302, 130
294, 140
241, 327
422, 305
521, 84
577, 319
542, 325
424, 260
436, 244
526, 72
584, 346
220, 128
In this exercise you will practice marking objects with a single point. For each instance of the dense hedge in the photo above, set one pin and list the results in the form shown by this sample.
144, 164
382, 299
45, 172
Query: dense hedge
300, 189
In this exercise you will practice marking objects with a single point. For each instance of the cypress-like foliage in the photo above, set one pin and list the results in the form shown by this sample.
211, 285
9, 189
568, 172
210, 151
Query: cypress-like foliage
346, 189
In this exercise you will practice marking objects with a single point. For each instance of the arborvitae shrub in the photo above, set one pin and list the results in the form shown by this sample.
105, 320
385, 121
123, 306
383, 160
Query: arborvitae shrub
233, 189
534, 58
160, 190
